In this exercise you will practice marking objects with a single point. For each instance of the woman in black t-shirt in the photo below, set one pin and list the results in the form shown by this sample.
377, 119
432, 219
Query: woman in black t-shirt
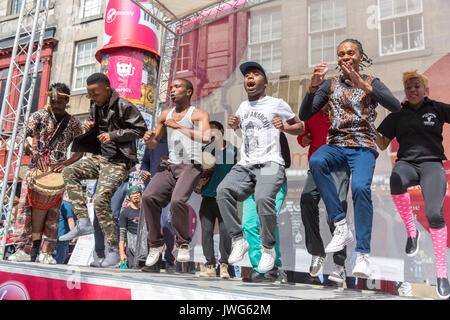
418, 130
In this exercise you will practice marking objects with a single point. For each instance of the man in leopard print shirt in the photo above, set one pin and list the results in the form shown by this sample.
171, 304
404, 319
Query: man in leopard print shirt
351, 99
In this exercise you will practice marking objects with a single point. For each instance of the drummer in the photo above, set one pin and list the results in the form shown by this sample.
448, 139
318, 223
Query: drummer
36, 230
226, 157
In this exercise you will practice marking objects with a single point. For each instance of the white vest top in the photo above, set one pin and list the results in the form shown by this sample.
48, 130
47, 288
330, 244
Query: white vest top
182, 149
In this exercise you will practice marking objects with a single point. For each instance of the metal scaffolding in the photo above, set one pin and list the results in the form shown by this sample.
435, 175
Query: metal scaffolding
174, 29
14, 115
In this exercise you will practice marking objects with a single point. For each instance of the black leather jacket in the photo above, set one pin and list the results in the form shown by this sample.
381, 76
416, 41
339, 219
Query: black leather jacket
125, 126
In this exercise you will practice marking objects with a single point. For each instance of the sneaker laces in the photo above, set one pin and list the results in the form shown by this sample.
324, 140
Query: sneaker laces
363, 258
316, 260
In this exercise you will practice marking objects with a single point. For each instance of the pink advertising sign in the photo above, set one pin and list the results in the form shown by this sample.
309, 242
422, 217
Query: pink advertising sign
125, 72
126, 25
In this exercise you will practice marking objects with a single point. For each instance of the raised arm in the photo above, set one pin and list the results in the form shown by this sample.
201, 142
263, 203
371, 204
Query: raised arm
317, 95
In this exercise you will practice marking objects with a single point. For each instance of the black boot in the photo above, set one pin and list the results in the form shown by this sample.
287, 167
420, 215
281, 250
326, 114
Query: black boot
256, 277
412, 245
34, 252
443, 288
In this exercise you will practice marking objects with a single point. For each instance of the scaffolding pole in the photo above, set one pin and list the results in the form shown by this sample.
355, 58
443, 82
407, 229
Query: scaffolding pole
37, 12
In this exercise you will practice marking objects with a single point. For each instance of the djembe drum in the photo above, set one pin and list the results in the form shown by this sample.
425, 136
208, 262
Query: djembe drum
45, 189
208, 164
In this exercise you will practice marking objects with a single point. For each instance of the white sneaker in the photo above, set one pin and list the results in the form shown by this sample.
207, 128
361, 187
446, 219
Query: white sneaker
239, 248
341, 237
153, 255
362, 266
19, 256
46, 258
338, 274
267, 260
183, 253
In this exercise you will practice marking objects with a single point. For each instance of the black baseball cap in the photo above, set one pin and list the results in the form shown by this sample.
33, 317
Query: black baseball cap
252, 64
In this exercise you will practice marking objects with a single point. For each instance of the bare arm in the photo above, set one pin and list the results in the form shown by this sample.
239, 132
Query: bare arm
381, 141
151, 138
293, 126
203, 133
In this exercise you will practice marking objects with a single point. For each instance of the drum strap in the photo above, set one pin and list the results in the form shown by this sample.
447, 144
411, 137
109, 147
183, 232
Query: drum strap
59, 131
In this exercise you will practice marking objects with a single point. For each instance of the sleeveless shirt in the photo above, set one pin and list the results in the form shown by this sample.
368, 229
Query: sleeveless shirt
182, 149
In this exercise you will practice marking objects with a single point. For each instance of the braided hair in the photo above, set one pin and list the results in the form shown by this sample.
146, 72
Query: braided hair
366, 62
60, 87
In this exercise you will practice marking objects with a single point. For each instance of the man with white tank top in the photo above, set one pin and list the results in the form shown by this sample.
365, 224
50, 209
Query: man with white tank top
186, 128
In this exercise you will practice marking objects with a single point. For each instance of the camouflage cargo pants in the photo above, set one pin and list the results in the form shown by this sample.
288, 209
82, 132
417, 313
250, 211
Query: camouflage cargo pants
110, 176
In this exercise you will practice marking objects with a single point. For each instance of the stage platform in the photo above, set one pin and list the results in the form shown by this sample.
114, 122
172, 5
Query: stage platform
63, 282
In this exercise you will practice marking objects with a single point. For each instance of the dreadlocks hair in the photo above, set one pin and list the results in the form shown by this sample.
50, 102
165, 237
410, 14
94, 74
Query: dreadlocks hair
366, 62
60, 87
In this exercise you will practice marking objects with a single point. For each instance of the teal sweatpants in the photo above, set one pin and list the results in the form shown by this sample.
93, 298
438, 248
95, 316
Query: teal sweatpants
251, 228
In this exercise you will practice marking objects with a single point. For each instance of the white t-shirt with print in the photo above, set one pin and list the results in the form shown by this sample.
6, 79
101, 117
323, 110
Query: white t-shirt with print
260, 139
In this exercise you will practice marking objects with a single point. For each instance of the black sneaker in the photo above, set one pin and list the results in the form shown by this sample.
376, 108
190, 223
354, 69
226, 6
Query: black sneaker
412, 245
34, 252
152, 269
272, 274
256, 277
170, 267
443, 288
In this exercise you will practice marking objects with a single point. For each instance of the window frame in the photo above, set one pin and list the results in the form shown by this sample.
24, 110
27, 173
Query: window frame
83, 9
76, 67
272, 41
17, 9
323, 31
392, 18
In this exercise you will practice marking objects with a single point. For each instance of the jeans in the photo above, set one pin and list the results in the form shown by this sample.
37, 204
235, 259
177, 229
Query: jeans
168, 234
62, 251
116, 206
361, 162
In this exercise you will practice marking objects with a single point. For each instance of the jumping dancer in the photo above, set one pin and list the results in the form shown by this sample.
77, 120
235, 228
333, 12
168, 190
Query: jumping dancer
352, 99
113, 127
252, 227
418, 130
315, 136
261, 168
177, 177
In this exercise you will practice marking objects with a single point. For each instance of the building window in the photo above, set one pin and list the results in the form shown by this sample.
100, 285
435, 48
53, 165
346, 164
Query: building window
265, 39
401, 26
327, 22
84, 64
3, 78
90, 8
185, 59
15, 6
